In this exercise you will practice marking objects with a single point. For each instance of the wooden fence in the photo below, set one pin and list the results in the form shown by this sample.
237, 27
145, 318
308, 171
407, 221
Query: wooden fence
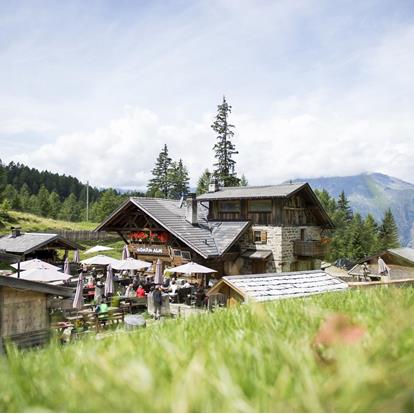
86, 235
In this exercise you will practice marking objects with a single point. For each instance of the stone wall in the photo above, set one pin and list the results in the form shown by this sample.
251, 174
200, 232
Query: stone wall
280, 240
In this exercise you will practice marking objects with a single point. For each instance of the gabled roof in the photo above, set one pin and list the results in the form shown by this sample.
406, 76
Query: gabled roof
265, 191
405, 252
273, 286
207, 239
28, 242
270, 191
22, 284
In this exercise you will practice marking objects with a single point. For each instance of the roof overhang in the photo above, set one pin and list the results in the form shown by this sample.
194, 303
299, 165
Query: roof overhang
257, 254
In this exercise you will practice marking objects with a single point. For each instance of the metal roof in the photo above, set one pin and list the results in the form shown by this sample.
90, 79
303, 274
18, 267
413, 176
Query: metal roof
267, 191
208, 239
272, 286
404, 252
22, 284
28, 242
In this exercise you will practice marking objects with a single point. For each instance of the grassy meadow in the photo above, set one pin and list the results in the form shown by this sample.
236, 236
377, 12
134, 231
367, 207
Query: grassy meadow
256, 357
31, 222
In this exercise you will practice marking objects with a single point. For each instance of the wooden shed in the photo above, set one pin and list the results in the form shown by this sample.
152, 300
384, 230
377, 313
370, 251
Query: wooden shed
24, 311
274, 286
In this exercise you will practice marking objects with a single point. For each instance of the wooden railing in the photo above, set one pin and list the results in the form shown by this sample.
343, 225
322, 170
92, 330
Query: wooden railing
85, 235
313, 248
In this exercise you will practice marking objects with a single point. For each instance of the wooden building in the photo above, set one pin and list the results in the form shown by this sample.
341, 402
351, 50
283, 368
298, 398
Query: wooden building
35, 245
275, 286
400, 261
240, 230
24, 311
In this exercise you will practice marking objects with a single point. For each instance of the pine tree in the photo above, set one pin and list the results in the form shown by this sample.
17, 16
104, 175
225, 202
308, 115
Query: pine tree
203, 182
107, 203
178, 180
343, 205
43, 201
224, 149
54, 205
355, 243
159, 183
370, 239
389, 238
11, 194
243, 181
24, 197
71, 209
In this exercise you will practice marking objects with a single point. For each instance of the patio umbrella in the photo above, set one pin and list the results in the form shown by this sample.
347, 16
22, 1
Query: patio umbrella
97, 249
125, 253
76, 258
109, 282
43, 275
66, 267
130, 264
159, 277
35, 264
78, 300
192, 268
100, 259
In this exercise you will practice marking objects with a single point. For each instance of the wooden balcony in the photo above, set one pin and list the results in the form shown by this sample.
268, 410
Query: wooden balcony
313, 248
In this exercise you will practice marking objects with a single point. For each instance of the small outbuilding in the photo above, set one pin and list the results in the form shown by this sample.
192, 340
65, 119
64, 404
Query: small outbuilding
24, 311
35, 245
274, 286
400, 262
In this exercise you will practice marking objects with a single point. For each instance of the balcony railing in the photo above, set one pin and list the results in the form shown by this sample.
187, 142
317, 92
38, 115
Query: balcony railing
313, 248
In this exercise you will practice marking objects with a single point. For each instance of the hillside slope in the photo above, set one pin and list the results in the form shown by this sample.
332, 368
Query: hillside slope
374, 193
31, 222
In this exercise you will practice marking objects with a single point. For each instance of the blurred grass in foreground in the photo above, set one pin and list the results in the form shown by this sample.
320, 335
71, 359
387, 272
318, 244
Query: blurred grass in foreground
252, 358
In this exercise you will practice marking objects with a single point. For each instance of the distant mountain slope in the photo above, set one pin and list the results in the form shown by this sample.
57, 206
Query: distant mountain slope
374, 193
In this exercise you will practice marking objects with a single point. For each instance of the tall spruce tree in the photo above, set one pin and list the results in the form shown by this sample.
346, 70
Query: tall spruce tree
203, 182
389, 232
178, 180
343, 205
243, 181
159, 184
224, 149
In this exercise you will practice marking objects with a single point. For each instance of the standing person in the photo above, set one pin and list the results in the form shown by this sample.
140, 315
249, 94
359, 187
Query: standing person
157, 297
99, 289
365, 271
383, 270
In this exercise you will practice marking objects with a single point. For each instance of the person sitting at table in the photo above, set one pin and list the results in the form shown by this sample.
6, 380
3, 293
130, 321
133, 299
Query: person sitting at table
173, 287
187, 284
130, 291
140, 292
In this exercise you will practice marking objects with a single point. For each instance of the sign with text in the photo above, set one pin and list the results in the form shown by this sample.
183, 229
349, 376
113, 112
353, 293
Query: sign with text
151, 250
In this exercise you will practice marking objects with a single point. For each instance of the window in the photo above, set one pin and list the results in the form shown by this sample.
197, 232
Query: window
186, 255
176, 253
259, 206
260, 237
302, 234
230, 206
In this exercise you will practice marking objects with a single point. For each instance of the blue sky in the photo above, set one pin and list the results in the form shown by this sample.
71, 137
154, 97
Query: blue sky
96, 88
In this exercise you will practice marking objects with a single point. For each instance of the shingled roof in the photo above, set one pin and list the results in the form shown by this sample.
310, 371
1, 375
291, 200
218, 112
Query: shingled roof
209, 239
23, 284
267, 191
273, 286
28, 242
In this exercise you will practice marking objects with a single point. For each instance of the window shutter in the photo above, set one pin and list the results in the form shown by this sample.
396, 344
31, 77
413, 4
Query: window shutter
263, 236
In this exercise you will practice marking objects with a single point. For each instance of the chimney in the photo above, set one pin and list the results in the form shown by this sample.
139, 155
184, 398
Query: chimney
15, 232
191, 212
213, 186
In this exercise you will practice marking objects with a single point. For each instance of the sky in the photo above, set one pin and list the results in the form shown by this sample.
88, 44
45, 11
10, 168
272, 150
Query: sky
94, 89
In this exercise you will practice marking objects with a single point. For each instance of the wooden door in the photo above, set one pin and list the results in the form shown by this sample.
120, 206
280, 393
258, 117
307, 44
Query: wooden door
258, 266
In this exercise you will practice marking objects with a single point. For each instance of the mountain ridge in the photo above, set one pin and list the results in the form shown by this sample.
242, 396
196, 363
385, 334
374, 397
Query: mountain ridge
373, 192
